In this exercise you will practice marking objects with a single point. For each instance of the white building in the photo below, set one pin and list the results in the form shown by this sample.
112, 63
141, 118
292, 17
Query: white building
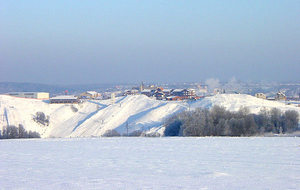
35, 95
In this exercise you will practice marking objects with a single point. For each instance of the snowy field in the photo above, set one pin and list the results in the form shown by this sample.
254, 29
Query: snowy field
151, 163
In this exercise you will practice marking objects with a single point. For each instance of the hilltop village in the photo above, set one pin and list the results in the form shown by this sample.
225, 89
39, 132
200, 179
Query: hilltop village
151, 91
133, 110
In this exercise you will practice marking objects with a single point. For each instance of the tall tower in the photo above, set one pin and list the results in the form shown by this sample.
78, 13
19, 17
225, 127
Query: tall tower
113, 98
141, 87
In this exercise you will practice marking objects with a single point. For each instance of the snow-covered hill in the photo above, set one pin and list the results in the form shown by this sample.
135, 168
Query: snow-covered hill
94, 118
234, 102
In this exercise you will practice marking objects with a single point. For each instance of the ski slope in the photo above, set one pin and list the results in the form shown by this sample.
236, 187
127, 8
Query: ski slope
96, 117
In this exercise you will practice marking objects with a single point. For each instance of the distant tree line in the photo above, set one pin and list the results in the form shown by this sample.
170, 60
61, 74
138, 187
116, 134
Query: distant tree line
13, 132
220, 122
114, 133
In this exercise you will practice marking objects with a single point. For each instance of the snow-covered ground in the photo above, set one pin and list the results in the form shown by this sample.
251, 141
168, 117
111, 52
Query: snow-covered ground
94, 118
151, 163
234, 102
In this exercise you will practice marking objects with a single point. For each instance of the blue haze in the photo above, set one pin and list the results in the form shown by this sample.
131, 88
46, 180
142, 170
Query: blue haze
68, 42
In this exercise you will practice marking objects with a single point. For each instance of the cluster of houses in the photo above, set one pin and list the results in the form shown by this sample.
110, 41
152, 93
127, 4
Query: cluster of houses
154, 92
158, 93
164, 94
170, 94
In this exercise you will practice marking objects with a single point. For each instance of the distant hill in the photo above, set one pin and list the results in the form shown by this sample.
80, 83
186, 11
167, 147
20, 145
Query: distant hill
6, 87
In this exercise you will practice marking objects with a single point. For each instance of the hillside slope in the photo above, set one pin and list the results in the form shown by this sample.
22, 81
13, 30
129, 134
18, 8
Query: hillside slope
94, 118
234, 102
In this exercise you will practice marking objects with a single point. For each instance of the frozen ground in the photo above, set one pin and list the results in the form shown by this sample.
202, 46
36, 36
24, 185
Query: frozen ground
151, 163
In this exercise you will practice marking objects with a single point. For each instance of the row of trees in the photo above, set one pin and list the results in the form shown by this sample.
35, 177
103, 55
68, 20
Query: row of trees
220, 122
13, 132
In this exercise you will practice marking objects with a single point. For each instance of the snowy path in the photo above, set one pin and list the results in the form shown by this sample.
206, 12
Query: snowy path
151, 163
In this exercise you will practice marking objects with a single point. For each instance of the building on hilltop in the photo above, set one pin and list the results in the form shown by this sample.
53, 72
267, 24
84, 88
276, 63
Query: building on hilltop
203, 89
167, 92
189, 93
280, 96
159, 95
89, 95
177, 92
131, 92
218, 91
64, 100
260, 95
185, 93
34, 95
148, 92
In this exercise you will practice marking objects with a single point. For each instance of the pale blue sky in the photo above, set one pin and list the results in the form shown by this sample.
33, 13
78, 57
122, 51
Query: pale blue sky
67, 42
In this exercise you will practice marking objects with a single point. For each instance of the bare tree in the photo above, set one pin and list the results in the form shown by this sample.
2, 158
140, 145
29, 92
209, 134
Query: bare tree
290, 119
